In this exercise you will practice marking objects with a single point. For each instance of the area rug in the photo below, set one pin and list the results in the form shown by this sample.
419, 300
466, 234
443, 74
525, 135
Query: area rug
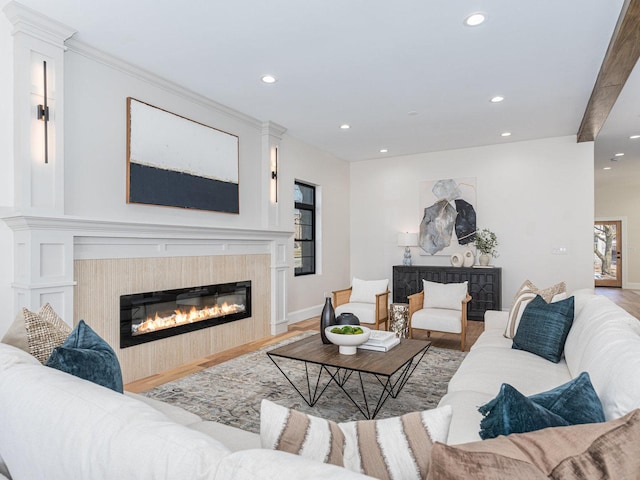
231, 392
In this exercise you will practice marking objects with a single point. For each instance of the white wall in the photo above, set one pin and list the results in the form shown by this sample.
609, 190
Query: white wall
331, 175
6, 164
621, 202
95, 146
534, 195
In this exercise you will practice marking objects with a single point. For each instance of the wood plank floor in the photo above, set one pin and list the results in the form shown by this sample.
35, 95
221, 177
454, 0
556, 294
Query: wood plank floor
627, 299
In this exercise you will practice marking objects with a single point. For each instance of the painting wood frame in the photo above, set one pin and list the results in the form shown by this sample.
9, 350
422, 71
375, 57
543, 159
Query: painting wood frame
173, 161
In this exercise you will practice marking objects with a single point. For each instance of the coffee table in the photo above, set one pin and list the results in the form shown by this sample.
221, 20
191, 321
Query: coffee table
391, 369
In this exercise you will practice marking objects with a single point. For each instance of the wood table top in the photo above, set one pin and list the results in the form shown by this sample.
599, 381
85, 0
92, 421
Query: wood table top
311, 349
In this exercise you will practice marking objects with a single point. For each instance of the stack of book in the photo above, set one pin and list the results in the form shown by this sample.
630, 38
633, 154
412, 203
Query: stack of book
380, 341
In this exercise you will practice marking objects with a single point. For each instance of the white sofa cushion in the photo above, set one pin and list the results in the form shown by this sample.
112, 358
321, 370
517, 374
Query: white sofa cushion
366, 312
262, 464
605, 341
57, 426
10, 356
465, 422
365, 291
438, 320
233, 438
444, 295
486, 369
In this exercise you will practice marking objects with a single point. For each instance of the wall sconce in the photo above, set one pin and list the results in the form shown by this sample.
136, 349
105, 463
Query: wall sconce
43, 114
274, 174
406, 240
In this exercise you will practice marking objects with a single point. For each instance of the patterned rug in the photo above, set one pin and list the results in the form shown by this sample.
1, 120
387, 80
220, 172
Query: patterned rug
231, 392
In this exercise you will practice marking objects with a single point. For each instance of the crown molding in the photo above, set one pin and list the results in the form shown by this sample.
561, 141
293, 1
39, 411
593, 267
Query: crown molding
37, 25
111, 61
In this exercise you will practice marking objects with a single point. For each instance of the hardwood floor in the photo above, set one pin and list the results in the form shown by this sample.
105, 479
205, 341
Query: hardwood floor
627, 299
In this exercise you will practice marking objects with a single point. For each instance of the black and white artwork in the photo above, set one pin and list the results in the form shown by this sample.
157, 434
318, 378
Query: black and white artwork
448, 215
176, 162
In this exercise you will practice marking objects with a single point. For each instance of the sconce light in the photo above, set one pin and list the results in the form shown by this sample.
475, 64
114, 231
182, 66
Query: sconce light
43, 114
274, 173
406, 240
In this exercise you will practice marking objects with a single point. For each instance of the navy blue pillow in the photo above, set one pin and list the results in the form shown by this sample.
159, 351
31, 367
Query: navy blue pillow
86, 355
544, 327
572, 403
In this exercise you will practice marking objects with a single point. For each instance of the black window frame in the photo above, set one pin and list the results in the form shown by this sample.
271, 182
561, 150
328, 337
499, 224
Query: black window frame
311, 243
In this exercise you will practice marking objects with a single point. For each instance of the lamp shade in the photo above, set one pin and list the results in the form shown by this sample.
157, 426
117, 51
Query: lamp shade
406, 239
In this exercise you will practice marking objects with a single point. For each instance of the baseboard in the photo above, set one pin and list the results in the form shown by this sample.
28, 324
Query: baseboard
632, 286
304, 314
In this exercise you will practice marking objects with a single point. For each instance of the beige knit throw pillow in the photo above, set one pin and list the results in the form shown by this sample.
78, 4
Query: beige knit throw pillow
45, 331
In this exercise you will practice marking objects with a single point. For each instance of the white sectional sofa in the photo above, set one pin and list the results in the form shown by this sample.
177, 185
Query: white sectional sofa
604, 341
55, 426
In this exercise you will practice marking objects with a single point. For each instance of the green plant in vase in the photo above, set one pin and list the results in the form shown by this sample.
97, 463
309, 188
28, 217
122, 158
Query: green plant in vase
486, 242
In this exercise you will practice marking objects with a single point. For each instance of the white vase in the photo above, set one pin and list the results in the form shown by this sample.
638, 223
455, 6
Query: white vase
457, 260
484, 259
469, 258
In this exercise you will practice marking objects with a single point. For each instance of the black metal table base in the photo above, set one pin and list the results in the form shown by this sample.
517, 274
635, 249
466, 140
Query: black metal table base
315, 384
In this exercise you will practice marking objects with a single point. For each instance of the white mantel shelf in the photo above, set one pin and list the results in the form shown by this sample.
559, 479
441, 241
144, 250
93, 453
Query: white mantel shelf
112, 228
46, 247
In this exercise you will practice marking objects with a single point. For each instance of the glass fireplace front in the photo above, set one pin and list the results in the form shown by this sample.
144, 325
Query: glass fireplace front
149, 316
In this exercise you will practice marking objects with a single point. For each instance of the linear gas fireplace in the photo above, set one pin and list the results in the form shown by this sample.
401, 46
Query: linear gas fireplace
149, 316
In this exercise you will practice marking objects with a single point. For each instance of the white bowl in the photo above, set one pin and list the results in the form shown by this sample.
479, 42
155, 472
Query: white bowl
347, 343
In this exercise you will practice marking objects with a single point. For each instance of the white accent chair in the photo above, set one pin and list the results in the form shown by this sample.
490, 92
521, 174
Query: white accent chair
440, 307
366, 299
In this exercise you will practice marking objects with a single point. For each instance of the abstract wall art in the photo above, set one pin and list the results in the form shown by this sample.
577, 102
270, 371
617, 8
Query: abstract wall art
176, 162
447, 209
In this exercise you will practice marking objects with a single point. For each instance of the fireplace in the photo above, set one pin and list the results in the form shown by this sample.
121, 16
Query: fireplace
149, 316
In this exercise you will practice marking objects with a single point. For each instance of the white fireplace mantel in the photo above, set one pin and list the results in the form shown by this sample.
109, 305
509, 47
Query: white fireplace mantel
45, 248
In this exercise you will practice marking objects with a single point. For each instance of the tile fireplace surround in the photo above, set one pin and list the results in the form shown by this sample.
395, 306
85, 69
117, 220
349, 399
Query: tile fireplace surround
83, 266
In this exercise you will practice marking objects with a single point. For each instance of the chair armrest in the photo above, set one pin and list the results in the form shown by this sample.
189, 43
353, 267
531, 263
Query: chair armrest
416, 301
465, 301
382, 305
341, 297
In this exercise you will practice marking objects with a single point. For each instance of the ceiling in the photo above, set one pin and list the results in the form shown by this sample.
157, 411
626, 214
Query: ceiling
407, 75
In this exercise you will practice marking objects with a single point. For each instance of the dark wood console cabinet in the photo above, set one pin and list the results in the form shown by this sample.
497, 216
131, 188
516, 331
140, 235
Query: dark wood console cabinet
485, 285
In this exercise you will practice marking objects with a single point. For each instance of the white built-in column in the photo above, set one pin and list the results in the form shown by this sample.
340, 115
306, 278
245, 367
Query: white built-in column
43, 259
271, 138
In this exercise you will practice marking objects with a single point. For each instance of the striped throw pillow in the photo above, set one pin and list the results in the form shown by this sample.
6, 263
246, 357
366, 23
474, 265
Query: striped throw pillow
525, 294
391, 448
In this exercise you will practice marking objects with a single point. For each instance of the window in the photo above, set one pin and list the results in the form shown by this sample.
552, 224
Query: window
304, 242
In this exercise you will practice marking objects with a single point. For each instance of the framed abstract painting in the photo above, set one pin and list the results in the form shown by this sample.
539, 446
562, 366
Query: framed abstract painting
175, 162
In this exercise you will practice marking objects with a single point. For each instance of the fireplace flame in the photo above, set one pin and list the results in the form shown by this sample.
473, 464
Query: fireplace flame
180, 317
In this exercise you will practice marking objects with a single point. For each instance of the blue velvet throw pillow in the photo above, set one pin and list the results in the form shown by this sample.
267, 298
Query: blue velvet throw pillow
575, 402
544, 327
86, 355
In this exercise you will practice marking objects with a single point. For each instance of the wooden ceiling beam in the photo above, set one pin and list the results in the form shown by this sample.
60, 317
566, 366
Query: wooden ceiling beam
621, 57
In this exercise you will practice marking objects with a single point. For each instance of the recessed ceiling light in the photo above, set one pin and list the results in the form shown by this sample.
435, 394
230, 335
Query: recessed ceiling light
497, 99
606, 168
505, 134
345, 126
619, 155
383, 150
475, 19
412, 113
268, 79
633, 137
